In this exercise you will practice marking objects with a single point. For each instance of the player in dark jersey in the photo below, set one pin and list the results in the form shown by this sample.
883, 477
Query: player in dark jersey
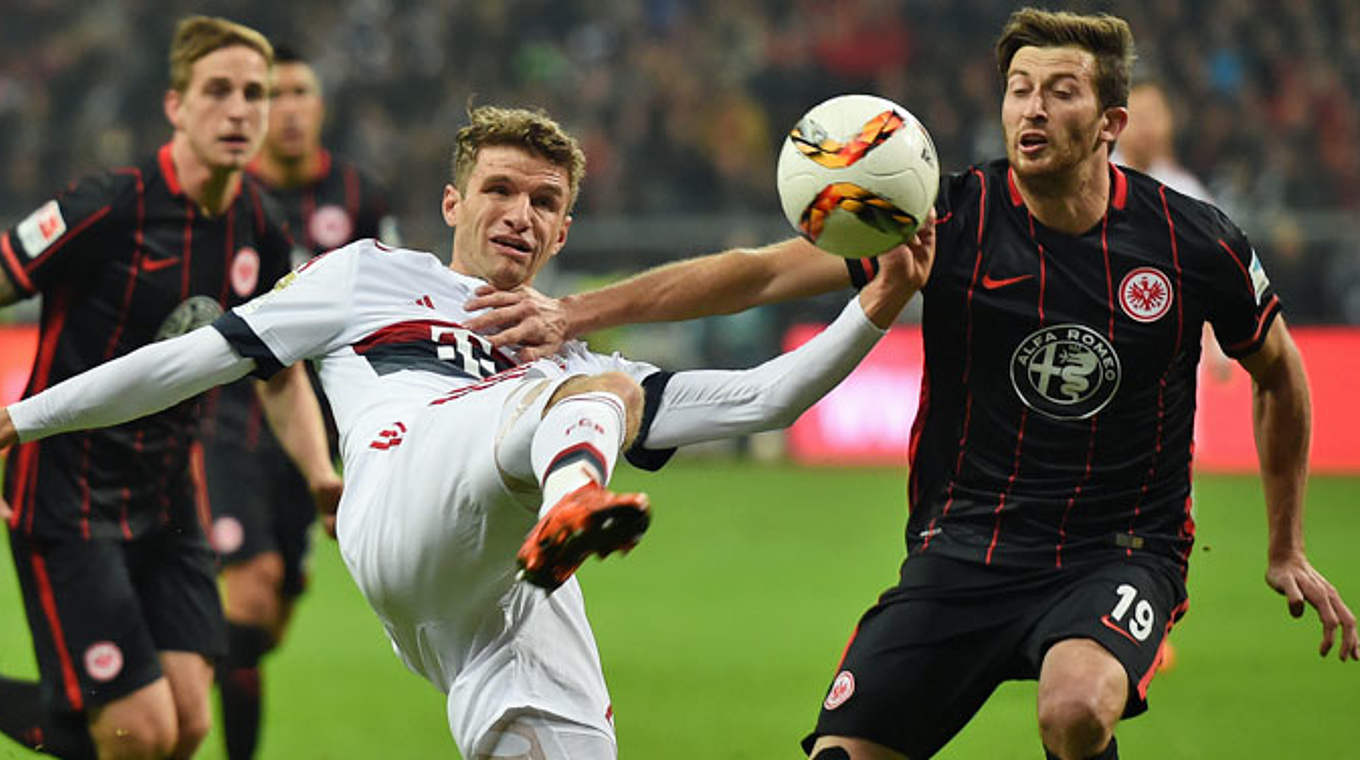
107, 537
1050, 522
261, 532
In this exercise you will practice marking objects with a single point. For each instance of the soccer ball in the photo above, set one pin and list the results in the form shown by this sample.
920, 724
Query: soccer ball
857, 175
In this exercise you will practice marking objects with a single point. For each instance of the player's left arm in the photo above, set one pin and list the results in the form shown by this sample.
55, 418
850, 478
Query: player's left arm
294, 415
706, 405
1282, 417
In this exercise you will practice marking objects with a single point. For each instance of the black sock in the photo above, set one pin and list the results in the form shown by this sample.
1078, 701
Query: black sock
1111, 752
238, 679
26, 720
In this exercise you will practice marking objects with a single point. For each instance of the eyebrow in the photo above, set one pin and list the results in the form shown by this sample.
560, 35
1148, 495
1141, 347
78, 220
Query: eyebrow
1051, 77
555, 189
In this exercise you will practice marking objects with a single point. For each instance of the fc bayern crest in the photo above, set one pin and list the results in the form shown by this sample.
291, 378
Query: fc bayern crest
1066, 372
245, 271
841, 689
103, 661
330, 226
1145, 294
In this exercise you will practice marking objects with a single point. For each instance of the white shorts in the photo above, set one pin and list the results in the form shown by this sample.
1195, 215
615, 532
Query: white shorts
430, 523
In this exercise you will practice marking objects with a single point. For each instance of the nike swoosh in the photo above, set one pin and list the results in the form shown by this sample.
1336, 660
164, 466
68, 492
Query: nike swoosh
1118, 629
991, 284
156, 265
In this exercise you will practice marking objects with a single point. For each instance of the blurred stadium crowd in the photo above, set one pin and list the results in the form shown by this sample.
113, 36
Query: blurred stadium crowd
682, 103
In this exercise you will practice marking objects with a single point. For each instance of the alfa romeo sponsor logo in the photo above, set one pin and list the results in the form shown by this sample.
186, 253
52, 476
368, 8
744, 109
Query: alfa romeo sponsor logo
1145, 294
1067, 372
103, 661
841, 689
190, 315
330, 226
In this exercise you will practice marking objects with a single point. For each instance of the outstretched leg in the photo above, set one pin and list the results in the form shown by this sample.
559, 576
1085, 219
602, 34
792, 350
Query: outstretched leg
588, 421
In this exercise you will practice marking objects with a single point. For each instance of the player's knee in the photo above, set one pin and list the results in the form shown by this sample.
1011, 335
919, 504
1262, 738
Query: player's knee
193, 729
254, 590
1075, 723
626, 388
147, 736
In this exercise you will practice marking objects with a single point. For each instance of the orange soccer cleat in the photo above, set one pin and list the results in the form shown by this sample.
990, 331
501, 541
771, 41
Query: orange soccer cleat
589, 520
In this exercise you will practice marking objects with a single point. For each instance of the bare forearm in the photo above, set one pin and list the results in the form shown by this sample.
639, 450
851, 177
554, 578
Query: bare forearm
723, 283
295, 417
1282, 420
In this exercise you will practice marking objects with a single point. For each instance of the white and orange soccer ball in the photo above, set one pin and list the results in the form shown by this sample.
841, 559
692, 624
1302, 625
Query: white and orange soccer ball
857, 175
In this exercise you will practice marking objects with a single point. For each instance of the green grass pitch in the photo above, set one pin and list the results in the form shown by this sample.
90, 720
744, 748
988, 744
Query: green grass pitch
720, 632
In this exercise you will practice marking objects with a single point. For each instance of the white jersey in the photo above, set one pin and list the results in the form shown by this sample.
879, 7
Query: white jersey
386, 327
436, 430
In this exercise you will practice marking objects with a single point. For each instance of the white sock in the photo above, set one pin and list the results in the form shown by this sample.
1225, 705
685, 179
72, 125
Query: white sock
577, 442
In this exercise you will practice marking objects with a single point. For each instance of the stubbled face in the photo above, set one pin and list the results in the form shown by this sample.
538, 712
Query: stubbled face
512, 218
222, 112
296, 112
1051, 113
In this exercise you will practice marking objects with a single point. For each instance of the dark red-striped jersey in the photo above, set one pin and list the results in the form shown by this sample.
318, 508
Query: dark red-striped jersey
1057, 408
341, 205
123, 258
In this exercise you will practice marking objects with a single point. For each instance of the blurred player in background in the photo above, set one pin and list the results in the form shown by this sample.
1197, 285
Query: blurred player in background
452, 451
1148, 143
1050, 526
262, 507
117, 577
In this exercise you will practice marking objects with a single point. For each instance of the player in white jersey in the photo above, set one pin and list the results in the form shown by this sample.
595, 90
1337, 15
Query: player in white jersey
453, 452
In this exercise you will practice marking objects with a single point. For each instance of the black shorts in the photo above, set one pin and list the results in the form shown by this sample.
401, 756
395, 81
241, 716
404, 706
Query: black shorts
926, 657
101, 610
259, 503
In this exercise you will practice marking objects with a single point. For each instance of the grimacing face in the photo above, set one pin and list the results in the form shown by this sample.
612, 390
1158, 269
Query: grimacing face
1051, 113
222, 111
295, 113
512, 218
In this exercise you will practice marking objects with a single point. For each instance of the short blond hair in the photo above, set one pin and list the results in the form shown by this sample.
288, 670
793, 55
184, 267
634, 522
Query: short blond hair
530, 129
1106, 37
197, 36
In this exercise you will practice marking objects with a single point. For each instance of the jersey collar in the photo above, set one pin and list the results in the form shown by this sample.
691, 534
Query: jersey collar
167, 163
1119, 188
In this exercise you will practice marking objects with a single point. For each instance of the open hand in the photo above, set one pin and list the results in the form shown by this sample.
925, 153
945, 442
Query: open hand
520, 317
1298, 582
902, 271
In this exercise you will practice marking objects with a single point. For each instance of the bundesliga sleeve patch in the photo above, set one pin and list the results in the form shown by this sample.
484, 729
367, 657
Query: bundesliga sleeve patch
41, 228
1259, 280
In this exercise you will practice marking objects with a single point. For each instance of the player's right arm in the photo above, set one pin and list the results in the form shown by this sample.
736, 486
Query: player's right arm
154, 377
720, 283
295, 320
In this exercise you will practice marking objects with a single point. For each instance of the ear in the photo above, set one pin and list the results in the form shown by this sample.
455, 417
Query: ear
449, 205
561, 236
171, 103
1113, 123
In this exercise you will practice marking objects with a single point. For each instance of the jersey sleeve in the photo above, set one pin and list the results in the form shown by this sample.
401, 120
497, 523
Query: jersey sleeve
299, 319
956, 208
947, 228
59, 235
1242, 304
